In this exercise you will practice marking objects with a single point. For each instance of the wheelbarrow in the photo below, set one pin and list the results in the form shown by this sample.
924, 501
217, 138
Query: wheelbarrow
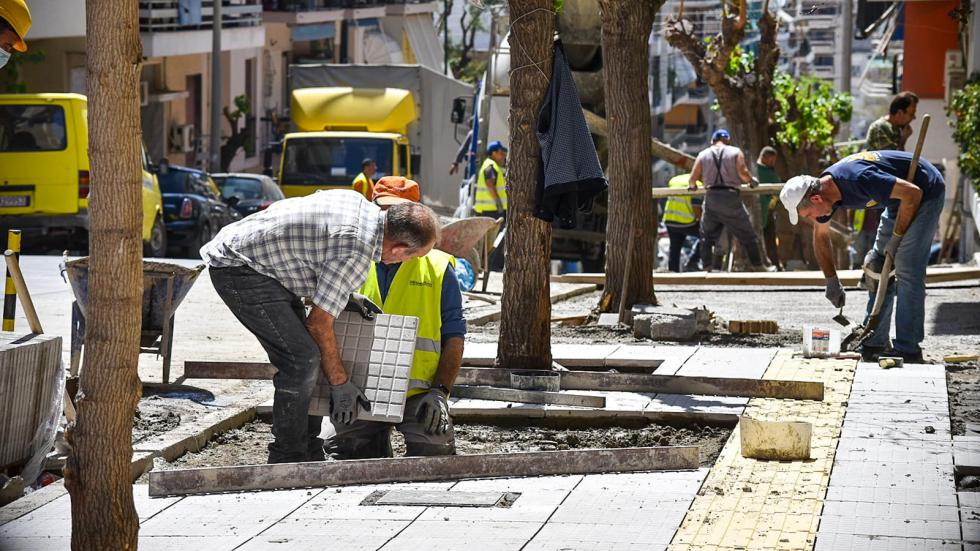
164, 287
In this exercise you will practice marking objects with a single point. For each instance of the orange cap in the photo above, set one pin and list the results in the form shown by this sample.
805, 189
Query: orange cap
18, 15
396, 189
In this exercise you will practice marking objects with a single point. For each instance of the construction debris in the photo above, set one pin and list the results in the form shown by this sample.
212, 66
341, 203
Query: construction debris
960, 358
420, 469
664, 323
750, 327
775, 440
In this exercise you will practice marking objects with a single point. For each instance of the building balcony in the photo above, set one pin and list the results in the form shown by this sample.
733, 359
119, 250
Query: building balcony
184, 27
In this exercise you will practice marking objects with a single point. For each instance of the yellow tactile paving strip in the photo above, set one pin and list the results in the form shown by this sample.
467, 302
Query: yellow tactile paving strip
750, 504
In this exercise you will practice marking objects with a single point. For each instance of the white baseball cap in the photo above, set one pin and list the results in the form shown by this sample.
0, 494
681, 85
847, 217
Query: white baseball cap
793, 192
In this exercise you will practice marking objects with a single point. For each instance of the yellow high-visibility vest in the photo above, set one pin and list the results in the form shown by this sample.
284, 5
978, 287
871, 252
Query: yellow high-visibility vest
484, 201
679, 210
859, 219
363, 185
416, 290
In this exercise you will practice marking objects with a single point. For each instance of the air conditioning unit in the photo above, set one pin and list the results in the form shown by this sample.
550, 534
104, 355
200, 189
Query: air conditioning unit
186, 138
144, 93
954, 74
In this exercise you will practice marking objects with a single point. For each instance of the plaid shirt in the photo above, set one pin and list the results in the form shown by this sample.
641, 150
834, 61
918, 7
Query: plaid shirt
320, 246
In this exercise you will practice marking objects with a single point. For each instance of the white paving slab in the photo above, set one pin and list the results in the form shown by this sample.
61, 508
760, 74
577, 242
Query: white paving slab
748, 363
239, 514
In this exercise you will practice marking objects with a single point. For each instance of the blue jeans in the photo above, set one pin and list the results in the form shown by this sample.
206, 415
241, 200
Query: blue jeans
910, 273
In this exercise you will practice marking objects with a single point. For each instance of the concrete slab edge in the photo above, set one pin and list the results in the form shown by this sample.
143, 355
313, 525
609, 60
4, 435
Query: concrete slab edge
31, 502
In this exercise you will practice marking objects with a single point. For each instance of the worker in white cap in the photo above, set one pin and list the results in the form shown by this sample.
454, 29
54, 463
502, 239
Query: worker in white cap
15, 21
905, 233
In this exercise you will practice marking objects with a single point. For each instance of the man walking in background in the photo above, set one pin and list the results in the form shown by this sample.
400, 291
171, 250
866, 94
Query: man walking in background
723, 170
364, 183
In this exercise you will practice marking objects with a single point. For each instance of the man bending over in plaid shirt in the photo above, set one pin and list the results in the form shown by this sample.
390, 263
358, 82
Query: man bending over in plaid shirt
321, 247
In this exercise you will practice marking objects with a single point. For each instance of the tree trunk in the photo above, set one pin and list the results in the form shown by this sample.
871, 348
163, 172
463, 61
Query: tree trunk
98, 473
525, 326
626, 26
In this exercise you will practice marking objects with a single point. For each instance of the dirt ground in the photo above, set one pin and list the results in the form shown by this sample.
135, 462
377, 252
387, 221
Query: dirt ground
248, 445
160, 411
963, 385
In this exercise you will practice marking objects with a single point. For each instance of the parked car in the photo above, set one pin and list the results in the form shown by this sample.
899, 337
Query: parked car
44, 173
192, 207
248, 193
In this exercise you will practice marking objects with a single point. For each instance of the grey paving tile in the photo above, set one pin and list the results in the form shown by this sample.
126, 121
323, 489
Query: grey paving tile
303, 542
966, 455
721, 362
891, 495
559, 535
898, 430
375, 532
892, 475
35, 543
243, 514
969, 499
892, 527
890, 510
971, 530
463, 535
850, 542
852, 447
532, 506
182, 543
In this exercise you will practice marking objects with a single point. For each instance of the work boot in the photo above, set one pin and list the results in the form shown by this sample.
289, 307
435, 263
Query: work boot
870, 353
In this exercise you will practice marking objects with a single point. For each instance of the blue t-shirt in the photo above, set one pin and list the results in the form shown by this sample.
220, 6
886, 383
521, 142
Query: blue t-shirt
453, 323
866, 179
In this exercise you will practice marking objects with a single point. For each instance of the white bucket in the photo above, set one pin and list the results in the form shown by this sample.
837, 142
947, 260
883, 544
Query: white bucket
820, 342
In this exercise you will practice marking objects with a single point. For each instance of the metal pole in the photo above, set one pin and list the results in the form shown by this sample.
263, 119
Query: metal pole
10, 291
487, 96
445, 37
847, 40
215, 147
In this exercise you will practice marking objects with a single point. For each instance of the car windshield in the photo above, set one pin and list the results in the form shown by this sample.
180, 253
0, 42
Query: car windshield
242, 188
173, 182
329, 161
32, 128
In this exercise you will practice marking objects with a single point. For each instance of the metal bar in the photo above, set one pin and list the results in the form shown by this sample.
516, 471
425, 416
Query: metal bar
419, 469
167, 334
528, 396
570, 380
10, 291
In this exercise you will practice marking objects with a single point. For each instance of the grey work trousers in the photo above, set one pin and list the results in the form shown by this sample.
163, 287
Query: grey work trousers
723, 209
372, 439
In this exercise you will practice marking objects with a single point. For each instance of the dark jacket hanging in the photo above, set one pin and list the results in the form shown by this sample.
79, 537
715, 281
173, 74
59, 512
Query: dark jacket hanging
571, 176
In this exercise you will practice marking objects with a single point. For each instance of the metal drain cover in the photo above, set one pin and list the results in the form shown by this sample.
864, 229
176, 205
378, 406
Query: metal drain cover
440, 498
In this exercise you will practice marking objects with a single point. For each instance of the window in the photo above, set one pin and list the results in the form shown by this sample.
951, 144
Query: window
242, 188
332, 161
173, 182
32, 128
403, 160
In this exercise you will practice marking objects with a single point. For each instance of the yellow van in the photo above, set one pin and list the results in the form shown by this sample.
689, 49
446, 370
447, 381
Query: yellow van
44, 170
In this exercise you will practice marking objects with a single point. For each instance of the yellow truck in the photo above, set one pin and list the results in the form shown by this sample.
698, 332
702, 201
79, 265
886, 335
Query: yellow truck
397, 115
44, 171
337, 128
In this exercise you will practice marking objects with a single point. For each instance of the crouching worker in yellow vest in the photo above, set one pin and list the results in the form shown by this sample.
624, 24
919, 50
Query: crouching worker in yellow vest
425, 287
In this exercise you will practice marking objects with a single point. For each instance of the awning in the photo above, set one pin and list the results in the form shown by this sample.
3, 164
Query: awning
304, 33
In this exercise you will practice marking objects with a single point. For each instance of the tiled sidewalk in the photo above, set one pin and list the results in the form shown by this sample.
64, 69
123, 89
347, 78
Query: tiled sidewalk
892, 486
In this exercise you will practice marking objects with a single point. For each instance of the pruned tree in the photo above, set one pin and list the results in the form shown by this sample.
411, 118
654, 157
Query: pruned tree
98, 474
762, 104
525, 327
460, 54
631, 228
240, 138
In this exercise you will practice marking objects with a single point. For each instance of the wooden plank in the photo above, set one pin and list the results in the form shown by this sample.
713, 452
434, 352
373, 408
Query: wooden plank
228, 370
763, 189
419, 469
528, 396
571, 380
848, 278
661, 384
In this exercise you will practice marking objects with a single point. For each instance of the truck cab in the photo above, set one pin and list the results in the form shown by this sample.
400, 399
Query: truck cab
339, 127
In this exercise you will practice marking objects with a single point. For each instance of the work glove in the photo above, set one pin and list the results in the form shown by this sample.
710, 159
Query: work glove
433, 412
873, 264
835, 292
892, 247
362, 305
344, 401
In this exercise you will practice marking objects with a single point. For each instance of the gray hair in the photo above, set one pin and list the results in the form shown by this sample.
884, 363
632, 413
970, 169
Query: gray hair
813, 187
767, 151
412, 224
